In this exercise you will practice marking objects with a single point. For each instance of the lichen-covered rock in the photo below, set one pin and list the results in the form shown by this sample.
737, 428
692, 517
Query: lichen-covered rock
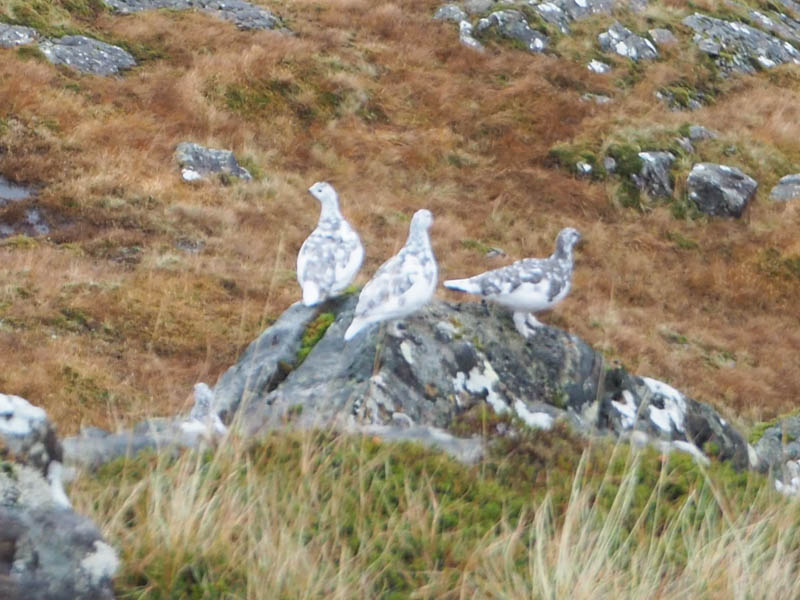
16, 35
624, 42
654, 176
663, 37
739, 47
513, 25
87, 55
698, 133
197, 162
466, 37
720, 190
450, 12
46, 550
243, 14
778, 452
599, 67
788, 188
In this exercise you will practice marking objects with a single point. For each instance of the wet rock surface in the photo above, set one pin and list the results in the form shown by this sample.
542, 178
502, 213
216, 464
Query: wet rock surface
87, 55
243, 14
720, 190
197, 162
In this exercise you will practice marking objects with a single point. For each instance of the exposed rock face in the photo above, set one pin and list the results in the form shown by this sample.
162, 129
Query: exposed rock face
450, 12
448, 358
663, 37
46, 550
243, 14
512, 24
624, 42
788, 188
197, 162
597, 66
720, 190
737, 46
654, 176
466, 37
87, 55
16, 35
778, 452
699, 133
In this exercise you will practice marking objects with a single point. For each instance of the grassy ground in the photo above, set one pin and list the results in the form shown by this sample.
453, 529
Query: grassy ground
109, 320
543, 516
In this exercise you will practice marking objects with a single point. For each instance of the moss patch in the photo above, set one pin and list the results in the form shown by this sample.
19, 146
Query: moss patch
313, 334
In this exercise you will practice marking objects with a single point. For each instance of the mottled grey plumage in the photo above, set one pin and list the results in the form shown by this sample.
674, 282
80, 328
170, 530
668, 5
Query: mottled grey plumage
403, 284
528, 285
331, 256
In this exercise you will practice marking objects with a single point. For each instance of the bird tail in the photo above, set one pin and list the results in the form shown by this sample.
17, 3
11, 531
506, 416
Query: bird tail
463, 285
311, 293
355, 327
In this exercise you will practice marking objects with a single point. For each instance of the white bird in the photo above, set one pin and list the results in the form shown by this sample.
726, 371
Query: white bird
331, 256
529, 285
203, 420
403, 284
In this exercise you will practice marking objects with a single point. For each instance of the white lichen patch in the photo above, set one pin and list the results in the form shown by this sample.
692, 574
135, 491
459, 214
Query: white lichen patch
18, 417
627, 409
101, 564
537, 420
674, 412
406, 351
480, 381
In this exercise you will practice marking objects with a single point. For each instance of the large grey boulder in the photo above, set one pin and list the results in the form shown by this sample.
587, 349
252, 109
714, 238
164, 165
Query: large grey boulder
87, 55
663, 37
720, 190
197, 162
16, 35
624, 42
739, 47
448, 358
243, 14
47, 551
788, 188
512, 24
654, 176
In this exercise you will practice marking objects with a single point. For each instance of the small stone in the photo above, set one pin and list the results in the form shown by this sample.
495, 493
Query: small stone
685, 144
584, 168
87, 55
475, 7
624, 42
788, 188
596, 98
698, 133
512, 24
450, 12
599, 67
465, 36
720, 190
609, 164
663, 37
198, 162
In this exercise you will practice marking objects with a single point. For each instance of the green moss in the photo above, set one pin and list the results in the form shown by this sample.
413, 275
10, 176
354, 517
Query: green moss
567, 156
19, 242
681, 241
627, 158
475, 246
313, 334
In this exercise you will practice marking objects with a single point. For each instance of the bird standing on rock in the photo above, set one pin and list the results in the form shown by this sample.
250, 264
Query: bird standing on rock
529, 285
403, 284
331, 256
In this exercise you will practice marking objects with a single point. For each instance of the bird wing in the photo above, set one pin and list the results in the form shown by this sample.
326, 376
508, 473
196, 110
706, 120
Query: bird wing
396, 284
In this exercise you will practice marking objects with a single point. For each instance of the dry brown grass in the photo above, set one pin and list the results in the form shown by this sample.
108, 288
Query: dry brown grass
109, 321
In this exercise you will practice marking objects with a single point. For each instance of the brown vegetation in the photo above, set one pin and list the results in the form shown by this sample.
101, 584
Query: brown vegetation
108, 320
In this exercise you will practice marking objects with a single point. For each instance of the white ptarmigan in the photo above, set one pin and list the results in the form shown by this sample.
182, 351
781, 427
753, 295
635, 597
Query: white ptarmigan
403, 284
331, 256
529, 285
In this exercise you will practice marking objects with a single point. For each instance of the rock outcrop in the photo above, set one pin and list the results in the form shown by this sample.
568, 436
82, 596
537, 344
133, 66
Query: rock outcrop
513, 25
777, 451
243, 14
16, 35
47, 551
788, 188
448, 359
87, 55
720, 190
624, 42
197, 162
654, 176
737, 47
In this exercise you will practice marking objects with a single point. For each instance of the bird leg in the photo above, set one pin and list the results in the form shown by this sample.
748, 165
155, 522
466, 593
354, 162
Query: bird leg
526, 323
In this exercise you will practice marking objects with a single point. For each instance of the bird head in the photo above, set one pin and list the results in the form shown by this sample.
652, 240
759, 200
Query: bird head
422, 220
567, 238
324, 192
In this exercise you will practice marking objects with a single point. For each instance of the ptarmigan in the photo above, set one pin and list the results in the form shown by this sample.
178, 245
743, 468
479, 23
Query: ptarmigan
403, 284
331, 256
529, 285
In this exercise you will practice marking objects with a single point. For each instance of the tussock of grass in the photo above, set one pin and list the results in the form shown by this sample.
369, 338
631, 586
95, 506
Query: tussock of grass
315, 515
